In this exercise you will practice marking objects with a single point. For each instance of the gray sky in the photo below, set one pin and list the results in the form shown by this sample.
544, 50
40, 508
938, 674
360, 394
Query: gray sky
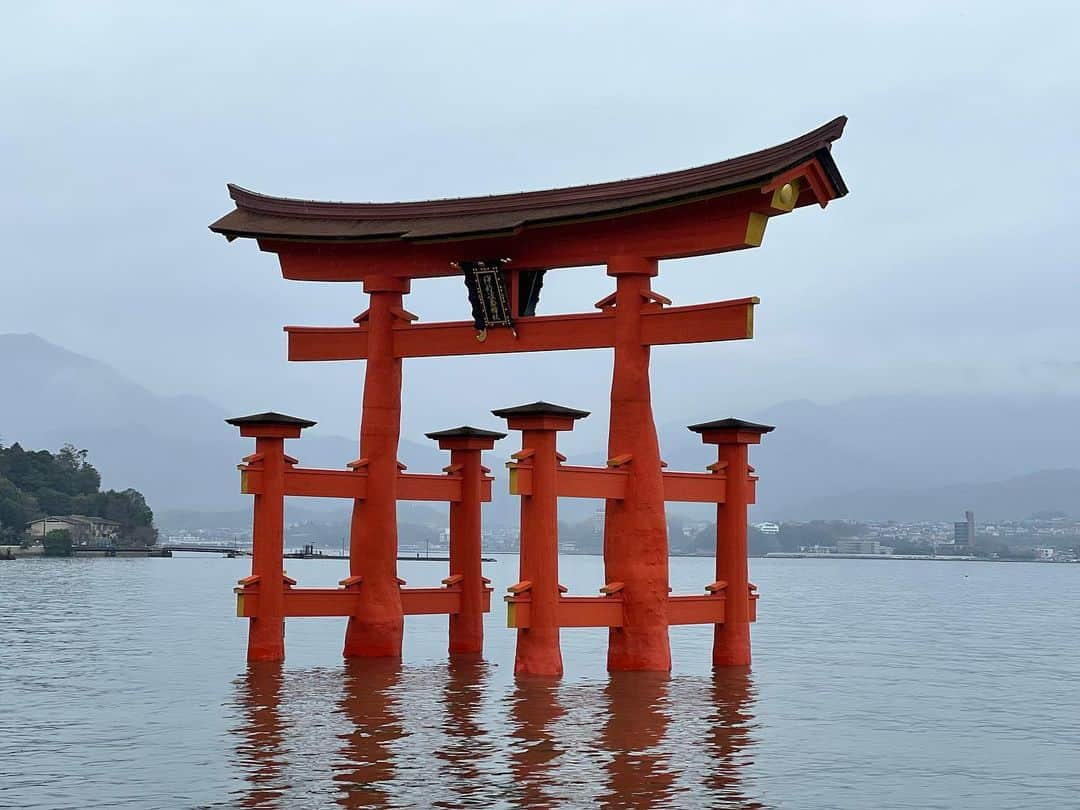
948, 267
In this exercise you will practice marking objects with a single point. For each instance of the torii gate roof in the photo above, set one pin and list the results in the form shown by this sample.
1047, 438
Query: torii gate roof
279, 218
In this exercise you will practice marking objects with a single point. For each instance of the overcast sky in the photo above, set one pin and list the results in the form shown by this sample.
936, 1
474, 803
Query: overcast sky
951, 265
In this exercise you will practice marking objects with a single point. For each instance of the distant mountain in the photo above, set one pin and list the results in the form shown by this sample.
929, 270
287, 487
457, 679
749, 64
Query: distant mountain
1015, 498
896, 445
177, 451
872, 453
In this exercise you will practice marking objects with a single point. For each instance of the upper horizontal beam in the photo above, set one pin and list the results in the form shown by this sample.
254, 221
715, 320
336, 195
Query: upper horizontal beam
698, 228
698, 323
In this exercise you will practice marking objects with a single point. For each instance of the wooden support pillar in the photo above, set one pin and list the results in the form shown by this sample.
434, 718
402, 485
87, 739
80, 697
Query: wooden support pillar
266, 630
465, 445
538, 651
731, 640
635, 528
375, 630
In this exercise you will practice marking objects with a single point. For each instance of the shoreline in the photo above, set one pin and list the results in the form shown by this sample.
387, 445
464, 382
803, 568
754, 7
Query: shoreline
798, 555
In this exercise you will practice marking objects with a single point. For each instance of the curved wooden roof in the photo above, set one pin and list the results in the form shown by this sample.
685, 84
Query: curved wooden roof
262, 216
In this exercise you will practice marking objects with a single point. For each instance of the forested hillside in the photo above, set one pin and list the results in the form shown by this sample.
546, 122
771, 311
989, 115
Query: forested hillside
35, 483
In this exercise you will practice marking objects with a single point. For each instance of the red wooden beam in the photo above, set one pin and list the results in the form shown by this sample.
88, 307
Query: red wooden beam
574, 611
573, 482
706, 609
429, 487
542, 333
352, 484
699, 323
591, 482
605, 482
426, 601
305, 602
706, 226
688, 487
326, 483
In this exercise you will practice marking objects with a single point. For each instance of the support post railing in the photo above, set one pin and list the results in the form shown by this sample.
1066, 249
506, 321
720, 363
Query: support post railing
731, 640
266, 631
465, 445
538, 651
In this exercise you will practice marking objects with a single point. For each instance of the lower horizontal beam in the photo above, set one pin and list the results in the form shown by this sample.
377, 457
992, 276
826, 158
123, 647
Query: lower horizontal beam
302, 602
707, 609
688, 487
574, 611
326, 483
574, 482
306, 602
425, 601
608, 483
352, 484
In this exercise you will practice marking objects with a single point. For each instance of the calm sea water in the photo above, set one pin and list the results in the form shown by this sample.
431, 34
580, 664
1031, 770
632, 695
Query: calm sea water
874, 685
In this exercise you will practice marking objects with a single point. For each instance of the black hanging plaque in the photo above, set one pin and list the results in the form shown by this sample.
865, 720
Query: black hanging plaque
487, 295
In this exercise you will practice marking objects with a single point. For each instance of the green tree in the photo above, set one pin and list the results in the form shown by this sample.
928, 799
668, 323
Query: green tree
58, 543
17, 508
38, 483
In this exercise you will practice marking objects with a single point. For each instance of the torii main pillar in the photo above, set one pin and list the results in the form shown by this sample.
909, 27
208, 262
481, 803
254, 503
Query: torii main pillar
635, 527
376, 630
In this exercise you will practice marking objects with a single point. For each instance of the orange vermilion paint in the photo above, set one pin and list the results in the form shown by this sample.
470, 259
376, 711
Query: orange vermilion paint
266, 636
267, 583
635, 530
538, 650
731, 640
375, 630
467, 625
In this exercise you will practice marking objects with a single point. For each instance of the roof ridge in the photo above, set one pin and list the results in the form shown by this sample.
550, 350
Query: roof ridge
672, 181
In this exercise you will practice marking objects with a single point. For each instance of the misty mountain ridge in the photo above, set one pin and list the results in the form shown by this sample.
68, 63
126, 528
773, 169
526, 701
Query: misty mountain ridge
907, 457
176, 450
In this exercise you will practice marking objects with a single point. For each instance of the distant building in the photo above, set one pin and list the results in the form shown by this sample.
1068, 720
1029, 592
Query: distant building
692, 528
1043, 553
596, 522
767, 528
964, 533
83, 529
858, 547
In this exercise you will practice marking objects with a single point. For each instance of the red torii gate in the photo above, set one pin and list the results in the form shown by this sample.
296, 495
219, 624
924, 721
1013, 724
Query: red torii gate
629, 226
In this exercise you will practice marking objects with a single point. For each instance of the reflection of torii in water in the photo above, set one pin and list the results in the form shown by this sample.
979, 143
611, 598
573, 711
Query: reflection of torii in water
630, 227
370, 704
262, 734
610, 742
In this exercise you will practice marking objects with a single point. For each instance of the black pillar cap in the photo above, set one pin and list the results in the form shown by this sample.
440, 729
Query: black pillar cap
270, 418
466, 432
540, 409
732, 424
